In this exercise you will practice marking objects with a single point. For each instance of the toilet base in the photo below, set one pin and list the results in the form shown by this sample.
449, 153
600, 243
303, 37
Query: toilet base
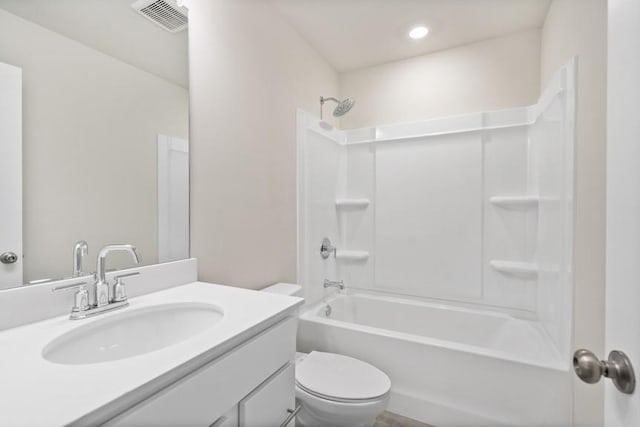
318, 412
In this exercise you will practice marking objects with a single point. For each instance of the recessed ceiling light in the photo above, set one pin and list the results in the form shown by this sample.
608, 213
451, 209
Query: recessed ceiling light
419, 32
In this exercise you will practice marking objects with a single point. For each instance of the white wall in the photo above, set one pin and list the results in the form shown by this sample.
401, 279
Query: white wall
578, 27
249, 71
89, 147
488, 75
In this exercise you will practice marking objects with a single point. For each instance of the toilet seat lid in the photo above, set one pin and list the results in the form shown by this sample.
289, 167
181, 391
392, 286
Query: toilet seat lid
341, 377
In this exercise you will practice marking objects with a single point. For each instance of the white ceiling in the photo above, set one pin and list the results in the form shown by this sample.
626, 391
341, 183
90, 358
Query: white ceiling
114, 28
353, 34
350, 34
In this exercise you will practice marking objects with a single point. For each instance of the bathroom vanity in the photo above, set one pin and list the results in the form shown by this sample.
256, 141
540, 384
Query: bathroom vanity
251, 385
195, 354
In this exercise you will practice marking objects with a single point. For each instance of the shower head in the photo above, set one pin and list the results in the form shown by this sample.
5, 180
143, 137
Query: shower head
341, 109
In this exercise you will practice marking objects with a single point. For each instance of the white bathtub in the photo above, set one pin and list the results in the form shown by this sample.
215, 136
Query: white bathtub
449, 366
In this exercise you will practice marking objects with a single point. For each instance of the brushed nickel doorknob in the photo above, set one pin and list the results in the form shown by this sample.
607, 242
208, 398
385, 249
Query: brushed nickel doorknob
8, 258
617, 367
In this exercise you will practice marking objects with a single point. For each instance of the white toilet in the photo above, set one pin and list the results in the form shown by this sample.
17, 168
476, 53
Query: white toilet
336, 390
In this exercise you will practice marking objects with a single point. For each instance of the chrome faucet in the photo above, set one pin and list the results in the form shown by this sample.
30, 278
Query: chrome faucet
331, 284
80, 250
101, 285
82, 308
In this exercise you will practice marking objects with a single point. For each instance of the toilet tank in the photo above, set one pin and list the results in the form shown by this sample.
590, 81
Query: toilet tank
290, 289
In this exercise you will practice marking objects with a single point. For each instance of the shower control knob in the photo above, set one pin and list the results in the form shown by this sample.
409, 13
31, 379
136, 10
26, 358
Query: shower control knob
326, 248
8, 258
617, 367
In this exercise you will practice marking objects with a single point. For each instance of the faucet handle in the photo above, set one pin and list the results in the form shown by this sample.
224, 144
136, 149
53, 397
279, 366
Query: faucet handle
119, 291
81, 297
327, 248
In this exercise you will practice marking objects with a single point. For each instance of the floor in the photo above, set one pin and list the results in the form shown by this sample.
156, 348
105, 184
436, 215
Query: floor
389, 419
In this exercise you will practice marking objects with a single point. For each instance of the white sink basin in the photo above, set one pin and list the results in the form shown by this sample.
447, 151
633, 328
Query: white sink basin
132, 332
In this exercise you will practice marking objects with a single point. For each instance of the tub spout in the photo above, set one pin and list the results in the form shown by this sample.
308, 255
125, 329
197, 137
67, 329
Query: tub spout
332, 284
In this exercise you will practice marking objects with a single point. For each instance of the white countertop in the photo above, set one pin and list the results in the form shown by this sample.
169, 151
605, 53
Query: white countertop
36, 392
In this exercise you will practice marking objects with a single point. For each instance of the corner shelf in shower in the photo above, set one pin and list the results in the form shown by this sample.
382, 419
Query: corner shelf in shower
527, 270
515, 202
344, 255
352, 203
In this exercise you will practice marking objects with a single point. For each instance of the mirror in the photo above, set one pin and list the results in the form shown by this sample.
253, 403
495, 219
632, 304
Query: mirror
94, 134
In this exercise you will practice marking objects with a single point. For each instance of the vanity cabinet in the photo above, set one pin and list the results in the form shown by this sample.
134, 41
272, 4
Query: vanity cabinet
270, 403
230, 419
251, 385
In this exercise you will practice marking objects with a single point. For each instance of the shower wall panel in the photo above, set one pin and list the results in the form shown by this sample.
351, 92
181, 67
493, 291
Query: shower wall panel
428, 213
321, 167
509, 232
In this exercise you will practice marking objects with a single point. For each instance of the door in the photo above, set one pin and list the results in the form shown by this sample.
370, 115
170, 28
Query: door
10, 176
623, 203
173, 198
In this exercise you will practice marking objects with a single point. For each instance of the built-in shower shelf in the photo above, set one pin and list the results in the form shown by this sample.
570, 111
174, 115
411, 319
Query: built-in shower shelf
343, 255
515, 202
352, 203
516, 268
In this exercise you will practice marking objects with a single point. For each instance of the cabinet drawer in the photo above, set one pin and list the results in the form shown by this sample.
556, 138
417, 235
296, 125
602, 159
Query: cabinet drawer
230, 419
271, 403
205, 395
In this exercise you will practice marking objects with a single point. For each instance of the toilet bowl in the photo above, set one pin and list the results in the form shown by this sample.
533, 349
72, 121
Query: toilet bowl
336, 390
339, 391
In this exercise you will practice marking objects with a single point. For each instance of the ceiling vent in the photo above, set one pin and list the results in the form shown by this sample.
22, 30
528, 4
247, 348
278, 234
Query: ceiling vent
165, 13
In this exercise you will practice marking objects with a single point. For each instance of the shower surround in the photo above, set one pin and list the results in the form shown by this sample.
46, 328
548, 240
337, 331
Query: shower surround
454, 240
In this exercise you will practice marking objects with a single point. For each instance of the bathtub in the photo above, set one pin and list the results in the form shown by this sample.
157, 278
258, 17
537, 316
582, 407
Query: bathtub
449, 366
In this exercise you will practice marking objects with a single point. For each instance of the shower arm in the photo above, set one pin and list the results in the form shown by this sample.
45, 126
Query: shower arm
323, 100
331, 98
